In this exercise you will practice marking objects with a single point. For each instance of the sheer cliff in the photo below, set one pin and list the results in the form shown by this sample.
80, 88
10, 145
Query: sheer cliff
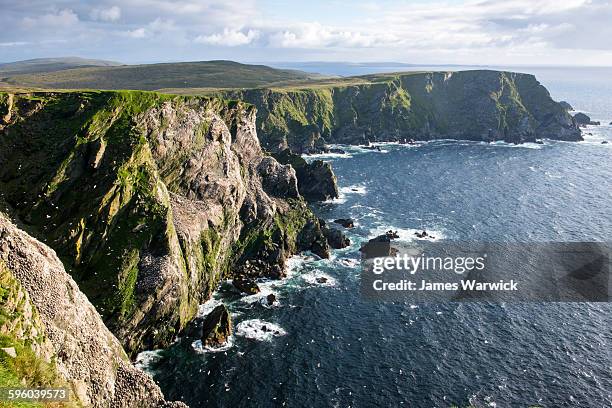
149, 200
467, 105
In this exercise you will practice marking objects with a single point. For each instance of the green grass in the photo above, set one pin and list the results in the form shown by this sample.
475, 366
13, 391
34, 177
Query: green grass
205, 74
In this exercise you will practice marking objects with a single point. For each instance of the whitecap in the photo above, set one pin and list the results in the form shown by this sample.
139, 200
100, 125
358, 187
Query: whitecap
199, 348
409, 234
205, 308
354, 189
318, 278
256, 329
145, 360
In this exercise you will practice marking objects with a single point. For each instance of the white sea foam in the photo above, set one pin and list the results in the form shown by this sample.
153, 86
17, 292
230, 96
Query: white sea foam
145, 360
256, 329
199, 348
205, 308
354, 189
313, 277
409, 234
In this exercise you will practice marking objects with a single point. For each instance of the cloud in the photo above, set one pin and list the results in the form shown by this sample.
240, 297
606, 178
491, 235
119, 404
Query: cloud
458, 31
106, 14
137, 33
60, 18
229, 38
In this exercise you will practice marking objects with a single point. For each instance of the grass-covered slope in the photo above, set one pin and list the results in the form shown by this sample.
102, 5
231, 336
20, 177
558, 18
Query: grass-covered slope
149, 199
203, 74
471, 105
41, 65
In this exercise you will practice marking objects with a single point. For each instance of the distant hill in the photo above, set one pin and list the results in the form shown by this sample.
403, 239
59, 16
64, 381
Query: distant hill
42, 65
204, 74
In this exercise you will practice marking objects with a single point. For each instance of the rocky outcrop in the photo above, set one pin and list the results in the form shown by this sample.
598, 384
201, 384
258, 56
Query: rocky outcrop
565, 105
470, 105
57, 323
150, 200
245, 285
345, 222
316, 180
584, 120
335, 237
217, 327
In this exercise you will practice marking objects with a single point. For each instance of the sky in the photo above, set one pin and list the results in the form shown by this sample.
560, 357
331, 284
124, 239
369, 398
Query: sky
488, 32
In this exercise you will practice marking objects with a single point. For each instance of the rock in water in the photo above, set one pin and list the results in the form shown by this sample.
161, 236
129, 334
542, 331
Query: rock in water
316, 180
271, 298
336, 238
217, 327
377, 247
583, 120
245, 285
345, 222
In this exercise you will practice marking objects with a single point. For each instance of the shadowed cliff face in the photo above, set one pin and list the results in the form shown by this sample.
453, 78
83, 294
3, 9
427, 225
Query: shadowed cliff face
53, 326
468, 105
149, 200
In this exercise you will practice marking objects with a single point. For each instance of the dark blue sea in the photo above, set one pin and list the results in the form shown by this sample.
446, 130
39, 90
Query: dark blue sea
328, 347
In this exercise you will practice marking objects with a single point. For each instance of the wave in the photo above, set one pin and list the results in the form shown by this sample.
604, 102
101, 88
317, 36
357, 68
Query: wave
256, 329
354, 189
146, 359
318, 278
199, 348
409, 234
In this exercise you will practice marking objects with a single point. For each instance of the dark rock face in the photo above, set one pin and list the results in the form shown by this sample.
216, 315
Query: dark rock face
278, 180
376, 247
270, 299
565, 105
312, 236
335, 237
217, 327
316, 180
245, 285
345, 222
470, 105
583, 120
379, 246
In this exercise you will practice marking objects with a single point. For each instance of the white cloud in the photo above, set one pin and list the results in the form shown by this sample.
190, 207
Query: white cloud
229, 38
315, 35
106, 14
137, 33
60, 18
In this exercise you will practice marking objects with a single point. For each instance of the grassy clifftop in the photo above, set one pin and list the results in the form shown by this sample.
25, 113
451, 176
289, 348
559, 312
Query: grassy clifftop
471, 105
148, 199
202, 74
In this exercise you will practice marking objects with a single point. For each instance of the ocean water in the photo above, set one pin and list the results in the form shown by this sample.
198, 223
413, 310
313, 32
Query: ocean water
325, 346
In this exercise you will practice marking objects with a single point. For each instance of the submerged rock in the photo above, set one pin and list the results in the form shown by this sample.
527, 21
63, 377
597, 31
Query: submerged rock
345, 222
217, 327
321, 279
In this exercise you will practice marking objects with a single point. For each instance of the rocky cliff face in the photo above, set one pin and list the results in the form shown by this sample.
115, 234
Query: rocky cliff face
58, 336
149, 200
469, 105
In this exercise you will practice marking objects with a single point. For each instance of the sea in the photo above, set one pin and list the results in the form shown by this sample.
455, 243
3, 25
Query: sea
322, 344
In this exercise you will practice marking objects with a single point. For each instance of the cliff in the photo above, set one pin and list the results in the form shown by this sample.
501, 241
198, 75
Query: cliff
467, 105
149, 200
52, 336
